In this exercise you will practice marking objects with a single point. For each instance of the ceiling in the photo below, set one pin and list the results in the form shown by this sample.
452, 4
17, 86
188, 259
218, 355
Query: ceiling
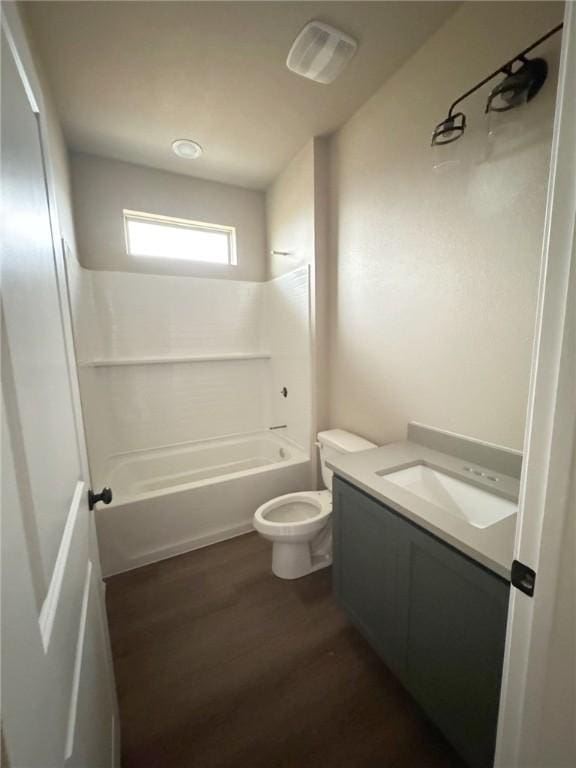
131, 77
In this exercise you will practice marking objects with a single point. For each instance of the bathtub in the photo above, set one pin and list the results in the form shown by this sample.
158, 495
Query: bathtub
172, 500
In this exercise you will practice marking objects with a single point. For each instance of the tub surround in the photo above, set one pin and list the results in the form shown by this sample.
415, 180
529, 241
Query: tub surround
168, 360
491, 546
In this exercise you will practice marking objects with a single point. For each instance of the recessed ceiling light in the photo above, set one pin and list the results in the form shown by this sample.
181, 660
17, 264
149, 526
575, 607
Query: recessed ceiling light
187, 149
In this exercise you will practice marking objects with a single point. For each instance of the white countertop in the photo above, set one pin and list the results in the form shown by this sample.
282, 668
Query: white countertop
492, 546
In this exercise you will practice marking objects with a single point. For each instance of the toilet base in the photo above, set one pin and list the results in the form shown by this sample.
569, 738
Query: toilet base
292, 561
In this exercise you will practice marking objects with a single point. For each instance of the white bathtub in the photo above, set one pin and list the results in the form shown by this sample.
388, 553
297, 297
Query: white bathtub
172, 500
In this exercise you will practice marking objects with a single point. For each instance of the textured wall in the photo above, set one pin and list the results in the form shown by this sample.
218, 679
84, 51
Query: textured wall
103, 188
433, 275
290, 215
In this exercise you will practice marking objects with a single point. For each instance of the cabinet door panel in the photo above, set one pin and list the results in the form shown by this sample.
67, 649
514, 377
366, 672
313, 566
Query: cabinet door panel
455, 627
364, 568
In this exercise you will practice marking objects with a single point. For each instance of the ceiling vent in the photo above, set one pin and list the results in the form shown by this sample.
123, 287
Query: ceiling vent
320, 52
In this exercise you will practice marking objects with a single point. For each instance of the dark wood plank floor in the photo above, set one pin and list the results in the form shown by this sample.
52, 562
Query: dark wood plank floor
221, 665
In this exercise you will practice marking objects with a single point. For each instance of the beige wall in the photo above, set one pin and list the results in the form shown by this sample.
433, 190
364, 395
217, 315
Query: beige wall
290, 215
433, 275
102, 188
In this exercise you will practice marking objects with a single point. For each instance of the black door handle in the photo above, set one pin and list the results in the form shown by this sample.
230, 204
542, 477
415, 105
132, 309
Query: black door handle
105, 496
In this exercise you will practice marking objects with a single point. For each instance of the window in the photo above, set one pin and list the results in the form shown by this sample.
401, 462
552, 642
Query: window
167, 238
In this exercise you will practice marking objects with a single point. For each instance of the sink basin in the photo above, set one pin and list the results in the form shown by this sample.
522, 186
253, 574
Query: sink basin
478, 507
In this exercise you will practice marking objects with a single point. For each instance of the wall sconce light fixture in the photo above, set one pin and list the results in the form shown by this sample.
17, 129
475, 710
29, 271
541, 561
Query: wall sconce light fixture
523, 79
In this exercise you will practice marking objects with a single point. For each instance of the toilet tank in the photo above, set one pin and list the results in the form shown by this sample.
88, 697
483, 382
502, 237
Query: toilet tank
334, 442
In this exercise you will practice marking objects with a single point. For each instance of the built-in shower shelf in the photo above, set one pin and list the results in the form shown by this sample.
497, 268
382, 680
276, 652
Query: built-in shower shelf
224, 357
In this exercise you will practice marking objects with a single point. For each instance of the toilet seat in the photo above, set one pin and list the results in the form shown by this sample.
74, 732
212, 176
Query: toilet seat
294, 514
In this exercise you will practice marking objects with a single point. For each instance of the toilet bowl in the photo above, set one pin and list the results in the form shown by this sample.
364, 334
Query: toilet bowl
299, 524
295, 523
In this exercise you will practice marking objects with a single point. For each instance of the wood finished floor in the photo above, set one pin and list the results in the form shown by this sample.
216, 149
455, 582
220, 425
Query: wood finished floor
221, 665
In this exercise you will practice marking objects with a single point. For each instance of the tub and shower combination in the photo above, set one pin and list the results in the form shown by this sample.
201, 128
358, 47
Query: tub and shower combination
172, 500
197, 404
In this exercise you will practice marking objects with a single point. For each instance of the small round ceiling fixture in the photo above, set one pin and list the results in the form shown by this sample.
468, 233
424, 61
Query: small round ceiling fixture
187, 149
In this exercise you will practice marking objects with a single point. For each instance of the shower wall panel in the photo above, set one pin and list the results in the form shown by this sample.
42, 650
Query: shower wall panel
126, 323
137, 336
157, 315
287, 335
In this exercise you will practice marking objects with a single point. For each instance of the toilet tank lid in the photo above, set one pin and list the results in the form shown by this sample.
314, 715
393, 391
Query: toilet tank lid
344, 441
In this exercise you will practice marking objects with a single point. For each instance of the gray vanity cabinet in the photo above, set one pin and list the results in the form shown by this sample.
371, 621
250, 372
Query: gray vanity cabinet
437, 618
366, 558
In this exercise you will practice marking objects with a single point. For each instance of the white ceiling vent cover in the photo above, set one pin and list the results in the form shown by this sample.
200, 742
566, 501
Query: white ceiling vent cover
320, 52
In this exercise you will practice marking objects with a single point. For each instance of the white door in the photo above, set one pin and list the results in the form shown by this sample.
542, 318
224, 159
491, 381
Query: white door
58, 699
537, 726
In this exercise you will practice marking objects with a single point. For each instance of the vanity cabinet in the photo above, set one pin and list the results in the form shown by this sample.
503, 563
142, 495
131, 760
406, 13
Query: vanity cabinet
436, 617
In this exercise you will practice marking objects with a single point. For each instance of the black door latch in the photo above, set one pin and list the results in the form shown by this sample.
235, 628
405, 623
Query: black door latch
105, 496
523, 578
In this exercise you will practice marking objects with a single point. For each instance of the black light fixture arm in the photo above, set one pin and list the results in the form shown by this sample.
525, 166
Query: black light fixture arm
505, 69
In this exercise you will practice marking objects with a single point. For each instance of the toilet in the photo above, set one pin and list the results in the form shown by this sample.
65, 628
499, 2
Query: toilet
298, 524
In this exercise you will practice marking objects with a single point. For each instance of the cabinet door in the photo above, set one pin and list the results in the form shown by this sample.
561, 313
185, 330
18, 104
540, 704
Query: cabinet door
365, 566
454, 626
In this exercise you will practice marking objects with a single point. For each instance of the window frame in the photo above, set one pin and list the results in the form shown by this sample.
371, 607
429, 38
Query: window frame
190, 224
